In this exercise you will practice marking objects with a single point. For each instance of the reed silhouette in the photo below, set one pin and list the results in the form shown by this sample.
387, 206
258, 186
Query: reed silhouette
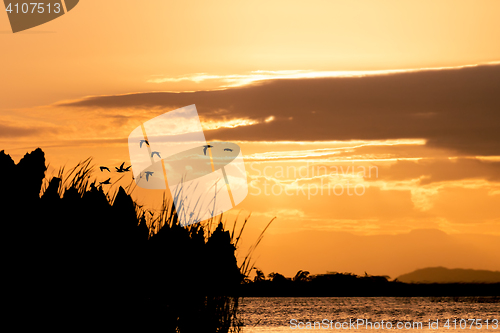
77, 254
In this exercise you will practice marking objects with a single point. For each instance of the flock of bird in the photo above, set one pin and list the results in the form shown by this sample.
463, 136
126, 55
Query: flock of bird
120, 169
209, 146
147, 173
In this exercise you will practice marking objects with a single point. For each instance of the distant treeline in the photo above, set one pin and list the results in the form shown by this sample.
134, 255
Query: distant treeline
347, 284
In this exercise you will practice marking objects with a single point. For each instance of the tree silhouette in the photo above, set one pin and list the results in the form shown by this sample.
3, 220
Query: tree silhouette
259, 276
277, 277
301, 276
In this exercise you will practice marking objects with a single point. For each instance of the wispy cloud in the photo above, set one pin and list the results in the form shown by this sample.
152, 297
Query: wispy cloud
236, 80
213, 125
327, 152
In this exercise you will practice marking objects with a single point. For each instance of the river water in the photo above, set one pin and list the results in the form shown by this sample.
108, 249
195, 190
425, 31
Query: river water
362, 314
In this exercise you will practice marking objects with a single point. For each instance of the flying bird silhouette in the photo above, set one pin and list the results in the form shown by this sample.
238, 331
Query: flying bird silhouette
227, 149
205, 149
104, 168
106, 182
148, 173
155, 152
121, 169
142, 141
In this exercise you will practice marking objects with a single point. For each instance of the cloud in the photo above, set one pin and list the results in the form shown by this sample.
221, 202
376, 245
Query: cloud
13, 131
441, 170
235, 80
455, 109
327, 153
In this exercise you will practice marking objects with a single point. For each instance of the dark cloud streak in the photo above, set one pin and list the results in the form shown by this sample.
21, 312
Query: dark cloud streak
9, 131
441, 170
456, 109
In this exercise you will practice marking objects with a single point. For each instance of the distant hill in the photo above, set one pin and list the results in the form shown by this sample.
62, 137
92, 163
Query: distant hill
446, 275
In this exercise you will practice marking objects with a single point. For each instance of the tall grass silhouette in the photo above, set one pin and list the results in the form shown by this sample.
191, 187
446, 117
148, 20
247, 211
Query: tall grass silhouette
100, 257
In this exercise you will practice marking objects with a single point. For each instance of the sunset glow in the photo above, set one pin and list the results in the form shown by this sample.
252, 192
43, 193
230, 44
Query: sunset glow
396, 103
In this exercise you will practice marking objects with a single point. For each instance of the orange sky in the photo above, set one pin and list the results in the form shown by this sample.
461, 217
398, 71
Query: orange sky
316, 85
